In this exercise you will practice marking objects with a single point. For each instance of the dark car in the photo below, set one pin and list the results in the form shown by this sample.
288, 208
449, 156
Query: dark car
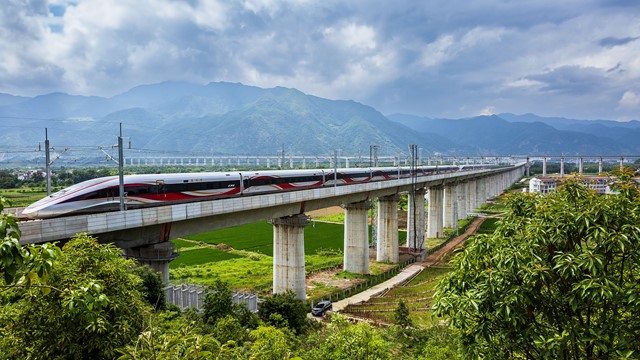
321, 308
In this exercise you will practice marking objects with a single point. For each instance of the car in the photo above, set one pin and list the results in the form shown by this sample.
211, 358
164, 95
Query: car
321, 307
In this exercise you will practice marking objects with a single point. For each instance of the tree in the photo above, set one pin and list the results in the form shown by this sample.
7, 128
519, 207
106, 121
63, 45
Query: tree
284, 308
270, 343
227, 329
8, 180
172, 335
342, 340
558, 279
91, 308
401, 315
218, 303
152, 286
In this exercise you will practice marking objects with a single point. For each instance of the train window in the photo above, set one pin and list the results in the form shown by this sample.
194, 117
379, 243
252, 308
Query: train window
137, 190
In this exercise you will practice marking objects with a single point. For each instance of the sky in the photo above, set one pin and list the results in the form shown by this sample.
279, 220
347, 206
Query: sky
435, 58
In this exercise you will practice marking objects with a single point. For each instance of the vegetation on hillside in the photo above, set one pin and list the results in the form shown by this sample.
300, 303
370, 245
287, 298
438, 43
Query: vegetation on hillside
558, 279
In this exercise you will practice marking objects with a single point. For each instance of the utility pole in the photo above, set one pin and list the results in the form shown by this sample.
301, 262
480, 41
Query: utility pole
373, 155
120, 163
47, 159
121, 169
414, 222
335, 168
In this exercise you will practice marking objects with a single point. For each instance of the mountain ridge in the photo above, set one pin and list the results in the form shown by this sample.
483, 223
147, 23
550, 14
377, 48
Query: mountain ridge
234, 119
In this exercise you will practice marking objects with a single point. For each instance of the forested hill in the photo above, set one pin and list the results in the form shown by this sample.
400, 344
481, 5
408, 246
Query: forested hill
530, 134
234, 119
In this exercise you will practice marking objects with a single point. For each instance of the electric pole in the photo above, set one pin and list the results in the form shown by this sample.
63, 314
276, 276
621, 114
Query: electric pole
120, 163
47, 159
121, 169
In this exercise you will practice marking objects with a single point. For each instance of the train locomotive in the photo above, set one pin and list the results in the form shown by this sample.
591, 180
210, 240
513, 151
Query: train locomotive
102, 194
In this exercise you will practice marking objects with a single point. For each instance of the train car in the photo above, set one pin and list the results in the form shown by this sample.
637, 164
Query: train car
347, 176
102, 194
282, 180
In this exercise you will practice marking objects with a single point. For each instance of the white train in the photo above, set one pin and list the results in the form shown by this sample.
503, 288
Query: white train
102, 194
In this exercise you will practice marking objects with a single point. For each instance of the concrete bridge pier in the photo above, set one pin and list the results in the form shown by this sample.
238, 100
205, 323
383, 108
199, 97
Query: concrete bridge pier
157, 256
580, 168
415, 220
544, 166
600, 167
387, 247
471, 193
480, 192
435, 220
561, 167
462, 200
450, 198
356, 237
288, 255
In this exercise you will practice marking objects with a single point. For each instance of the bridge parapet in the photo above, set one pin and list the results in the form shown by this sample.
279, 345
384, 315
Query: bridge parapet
144, 225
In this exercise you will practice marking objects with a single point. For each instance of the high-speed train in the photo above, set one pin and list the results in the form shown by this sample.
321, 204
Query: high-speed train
102, 194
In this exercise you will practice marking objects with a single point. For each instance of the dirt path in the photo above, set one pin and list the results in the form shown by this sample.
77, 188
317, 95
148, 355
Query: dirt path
407, 273
437, 256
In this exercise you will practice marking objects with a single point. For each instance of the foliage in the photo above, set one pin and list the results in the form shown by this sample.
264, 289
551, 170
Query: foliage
440, 344
247, 318
93, 306
558, 279
227, 329
218, 303
270, 343
343, 340
171, 336
152, 286
284, 308
401, 315
437, 342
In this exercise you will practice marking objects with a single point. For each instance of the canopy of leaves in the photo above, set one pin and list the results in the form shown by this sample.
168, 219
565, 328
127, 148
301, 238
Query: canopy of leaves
558, 279
343, 340
284, 310
93, 307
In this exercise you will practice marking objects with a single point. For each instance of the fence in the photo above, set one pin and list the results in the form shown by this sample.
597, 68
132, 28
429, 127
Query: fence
190, 295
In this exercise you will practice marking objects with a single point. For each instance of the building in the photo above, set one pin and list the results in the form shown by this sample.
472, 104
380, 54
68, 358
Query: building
545, 185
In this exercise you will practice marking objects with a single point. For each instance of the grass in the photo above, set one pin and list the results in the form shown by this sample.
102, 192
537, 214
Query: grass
336, 218
248, 271
22, 197
182, 244
258, 237
198, 256
488, 226
416, 295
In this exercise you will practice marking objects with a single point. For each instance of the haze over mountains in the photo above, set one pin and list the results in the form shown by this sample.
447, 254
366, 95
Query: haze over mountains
234, 119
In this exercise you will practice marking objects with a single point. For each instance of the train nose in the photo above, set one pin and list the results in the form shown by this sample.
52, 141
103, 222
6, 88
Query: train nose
30, 212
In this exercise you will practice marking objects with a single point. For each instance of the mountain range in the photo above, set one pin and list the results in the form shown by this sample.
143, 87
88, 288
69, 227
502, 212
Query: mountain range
234, 119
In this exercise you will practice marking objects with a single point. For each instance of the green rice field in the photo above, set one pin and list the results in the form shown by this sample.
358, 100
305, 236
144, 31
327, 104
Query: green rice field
258, 237
23, 197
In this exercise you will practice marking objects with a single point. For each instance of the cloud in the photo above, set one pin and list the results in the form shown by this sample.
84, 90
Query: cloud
436, 58
489, 110
629, 100
570, 79
612, 41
